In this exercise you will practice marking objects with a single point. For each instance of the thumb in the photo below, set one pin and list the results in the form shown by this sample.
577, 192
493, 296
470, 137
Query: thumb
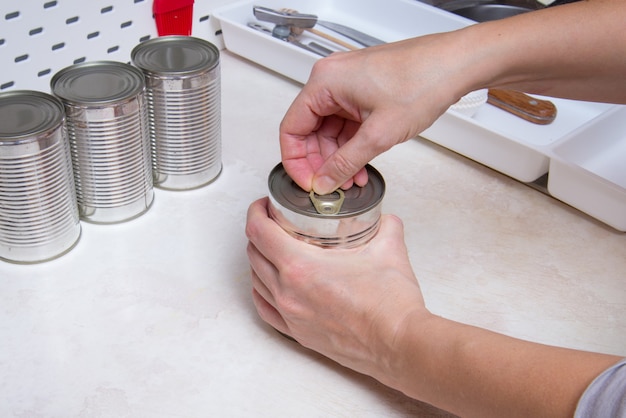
342, 165
391, 233
376, 135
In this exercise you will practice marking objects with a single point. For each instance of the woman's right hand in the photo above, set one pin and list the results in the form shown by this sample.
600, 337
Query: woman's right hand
359, 104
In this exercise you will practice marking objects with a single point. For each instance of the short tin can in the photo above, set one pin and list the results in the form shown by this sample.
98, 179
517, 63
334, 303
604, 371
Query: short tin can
107, 122
342, 219
38, 212
183, 90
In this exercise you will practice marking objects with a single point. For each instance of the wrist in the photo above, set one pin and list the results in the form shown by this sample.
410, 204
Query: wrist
405, 350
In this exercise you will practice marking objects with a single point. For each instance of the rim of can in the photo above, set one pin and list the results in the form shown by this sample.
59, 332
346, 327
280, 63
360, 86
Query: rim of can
357, 199
25, 114
97, 83
175, 56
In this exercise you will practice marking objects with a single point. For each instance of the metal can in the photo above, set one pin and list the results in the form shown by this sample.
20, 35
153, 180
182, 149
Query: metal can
342, 219
107, 122
38, 212
183, 89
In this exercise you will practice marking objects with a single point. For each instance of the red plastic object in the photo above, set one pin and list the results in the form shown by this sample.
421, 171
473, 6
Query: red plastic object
173, 17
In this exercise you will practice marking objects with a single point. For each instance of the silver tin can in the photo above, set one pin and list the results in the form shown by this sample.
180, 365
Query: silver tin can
107, 122
183, 89
343, 219
38, 213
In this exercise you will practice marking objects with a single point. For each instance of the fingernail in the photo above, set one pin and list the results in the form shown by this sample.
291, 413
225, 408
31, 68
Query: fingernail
324, 185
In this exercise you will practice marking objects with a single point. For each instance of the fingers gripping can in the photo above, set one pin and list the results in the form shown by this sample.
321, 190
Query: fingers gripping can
342, 219
183, 89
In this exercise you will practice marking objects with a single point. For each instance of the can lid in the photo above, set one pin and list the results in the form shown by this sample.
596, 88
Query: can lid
97, 82
356, 200
175, 55
24, 114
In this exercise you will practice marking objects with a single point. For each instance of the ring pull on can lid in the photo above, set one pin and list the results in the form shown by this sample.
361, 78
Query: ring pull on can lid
325, 206
342, 219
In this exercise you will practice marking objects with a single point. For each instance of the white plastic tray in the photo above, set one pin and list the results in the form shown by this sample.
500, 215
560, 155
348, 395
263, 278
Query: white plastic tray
492, 137
588, 169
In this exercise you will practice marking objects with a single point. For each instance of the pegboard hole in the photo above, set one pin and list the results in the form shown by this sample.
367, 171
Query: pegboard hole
39, 37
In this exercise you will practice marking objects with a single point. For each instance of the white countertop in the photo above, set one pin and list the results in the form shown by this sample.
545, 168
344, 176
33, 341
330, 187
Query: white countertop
154, 318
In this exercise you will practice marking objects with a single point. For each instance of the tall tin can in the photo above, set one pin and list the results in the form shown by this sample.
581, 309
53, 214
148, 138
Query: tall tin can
107, 122
184, 101
38, 213
343, 219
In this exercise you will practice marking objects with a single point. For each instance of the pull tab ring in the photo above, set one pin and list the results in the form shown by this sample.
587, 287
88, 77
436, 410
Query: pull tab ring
327, 207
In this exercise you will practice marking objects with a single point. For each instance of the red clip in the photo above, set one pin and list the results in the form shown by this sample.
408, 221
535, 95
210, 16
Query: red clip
173, 17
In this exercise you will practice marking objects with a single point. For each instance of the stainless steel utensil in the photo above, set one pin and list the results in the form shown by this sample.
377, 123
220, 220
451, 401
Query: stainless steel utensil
292, 19
350, 33
312, 47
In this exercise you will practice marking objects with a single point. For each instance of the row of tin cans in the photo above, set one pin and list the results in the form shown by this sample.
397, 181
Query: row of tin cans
94, 149
110, 131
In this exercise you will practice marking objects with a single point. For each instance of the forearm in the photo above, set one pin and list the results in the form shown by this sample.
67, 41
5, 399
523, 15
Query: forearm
575, 51
475, 372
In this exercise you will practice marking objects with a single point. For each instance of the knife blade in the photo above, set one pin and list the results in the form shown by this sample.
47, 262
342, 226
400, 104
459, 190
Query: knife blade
350, 33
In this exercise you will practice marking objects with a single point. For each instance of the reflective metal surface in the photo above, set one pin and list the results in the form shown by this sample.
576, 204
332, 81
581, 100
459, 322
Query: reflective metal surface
184, 103
354, 222
107, 123
38, 213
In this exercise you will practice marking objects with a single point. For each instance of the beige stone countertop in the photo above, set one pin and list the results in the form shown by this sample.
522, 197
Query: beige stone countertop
154, 318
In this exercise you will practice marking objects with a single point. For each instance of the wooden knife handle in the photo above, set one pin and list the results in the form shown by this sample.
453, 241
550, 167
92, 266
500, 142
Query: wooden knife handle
529, 108
332, 39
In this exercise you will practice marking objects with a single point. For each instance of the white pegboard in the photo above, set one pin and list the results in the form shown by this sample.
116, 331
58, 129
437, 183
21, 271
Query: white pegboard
40, 37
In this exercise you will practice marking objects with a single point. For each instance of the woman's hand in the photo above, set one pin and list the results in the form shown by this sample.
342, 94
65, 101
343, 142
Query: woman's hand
363, 308
359, 104
348, 304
